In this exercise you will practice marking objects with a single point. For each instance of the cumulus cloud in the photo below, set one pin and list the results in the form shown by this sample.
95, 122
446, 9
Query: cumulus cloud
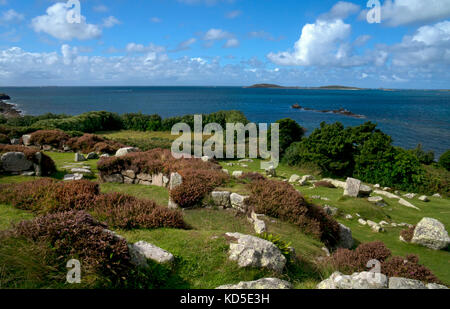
404, 12
55, 24
321, 43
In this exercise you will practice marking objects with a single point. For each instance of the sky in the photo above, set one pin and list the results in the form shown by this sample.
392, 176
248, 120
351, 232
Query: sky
225, 43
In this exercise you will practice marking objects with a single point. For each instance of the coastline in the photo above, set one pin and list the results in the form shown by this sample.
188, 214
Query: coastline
8, 110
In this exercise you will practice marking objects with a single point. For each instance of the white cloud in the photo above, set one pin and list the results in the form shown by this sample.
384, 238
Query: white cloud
341, 10
140, 48
11, 16
233, 42
155, 20
110, 22
404, 12
216, 34
321, 43
55, 24
185, 44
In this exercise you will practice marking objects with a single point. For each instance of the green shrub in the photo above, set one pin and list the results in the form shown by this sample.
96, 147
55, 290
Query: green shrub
444, 160
141, 122
424, 157
4, 139
290, 132
284, 247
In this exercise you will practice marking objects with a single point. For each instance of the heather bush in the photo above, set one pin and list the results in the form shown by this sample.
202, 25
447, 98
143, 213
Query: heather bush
196, 185
251, 176
280, 200
408, 233
350, 261
127, 212
55, 138
47, 164
46, 196
408, 267
76, 234
94, 143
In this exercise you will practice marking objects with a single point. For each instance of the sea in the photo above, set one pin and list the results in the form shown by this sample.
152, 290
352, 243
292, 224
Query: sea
409, 116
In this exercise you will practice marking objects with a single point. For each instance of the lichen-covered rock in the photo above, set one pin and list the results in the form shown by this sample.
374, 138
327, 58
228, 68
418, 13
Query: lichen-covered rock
15, 162
129, 173
175, 180
404, 283
362, 280
294, 178
336, 183
431, 233
115, 178
221, 198
124, 151
152, 252
73, 177
352, 187
237, 174
26, 140
424, 198
250, 251
238, 202
375, 199
331, 211
386, 193
261, 284
434, 286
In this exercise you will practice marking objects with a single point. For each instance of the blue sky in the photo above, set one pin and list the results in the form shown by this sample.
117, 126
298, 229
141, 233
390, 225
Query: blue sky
225, 42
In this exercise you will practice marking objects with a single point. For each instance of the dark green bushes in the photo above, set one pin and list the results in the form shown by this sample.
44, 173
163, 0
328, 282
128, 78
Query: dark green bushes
290, 132
362, 152
444, 160
141, 122
424, 157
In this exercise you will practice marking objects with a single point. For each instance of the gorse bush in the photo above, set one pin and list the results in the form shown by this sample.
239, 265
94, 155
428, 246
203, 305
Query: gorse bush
280, 200
350, 261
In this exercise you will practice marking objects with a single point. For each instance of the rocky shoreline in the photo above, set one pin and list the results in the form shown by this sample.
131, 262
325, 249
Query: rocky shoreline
6, 109
340, 111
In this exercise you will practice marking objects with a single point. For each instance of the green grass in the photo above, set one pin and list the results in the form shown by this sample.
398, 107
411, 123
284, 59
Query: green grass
10, 215
202, 252
65, 159
157, 194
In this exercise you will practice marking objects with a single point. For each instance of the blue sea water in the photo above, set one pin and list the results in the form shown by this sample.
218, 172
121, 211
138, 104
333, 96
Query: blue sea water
409, 116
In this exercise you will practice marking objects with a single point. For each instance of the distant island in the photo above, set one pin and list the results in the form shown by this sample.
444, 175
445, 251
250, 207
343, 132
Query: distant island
332, 87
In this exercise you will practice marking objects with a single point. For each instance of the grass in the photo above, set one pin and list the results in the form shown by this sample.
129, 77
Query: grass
201, 252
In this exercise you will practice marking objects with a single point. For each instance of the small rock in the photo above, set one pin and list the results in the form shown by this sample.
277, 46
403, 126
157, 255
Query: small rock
377, 186
206, 159
221, 198
424, 198
409, 195
348, 217
271, 171
129, 173
26, 140
238, 202
331, 211
226, 171
375, 199
83, 171
28, 174
115, 178
92, 156
79, 157
386, 193
73, 177
237, 174
294, 178
362, 221
246, 160
352, 187
437, 195
152, 252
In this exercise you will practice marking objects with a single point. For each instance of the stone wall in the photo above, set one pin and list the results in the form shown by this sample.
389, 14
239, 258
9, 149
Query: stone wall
17, 163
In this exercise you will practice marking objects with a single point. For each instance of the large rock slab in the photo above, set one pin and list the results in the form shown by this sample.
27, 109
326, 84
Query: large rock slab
238, 202
363, 280
175, 180
387, 194
407, 204
152, 252
405, 284
15, 162
294, 178
431, 233
352, 186
250, 251
261, 284
336, 183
